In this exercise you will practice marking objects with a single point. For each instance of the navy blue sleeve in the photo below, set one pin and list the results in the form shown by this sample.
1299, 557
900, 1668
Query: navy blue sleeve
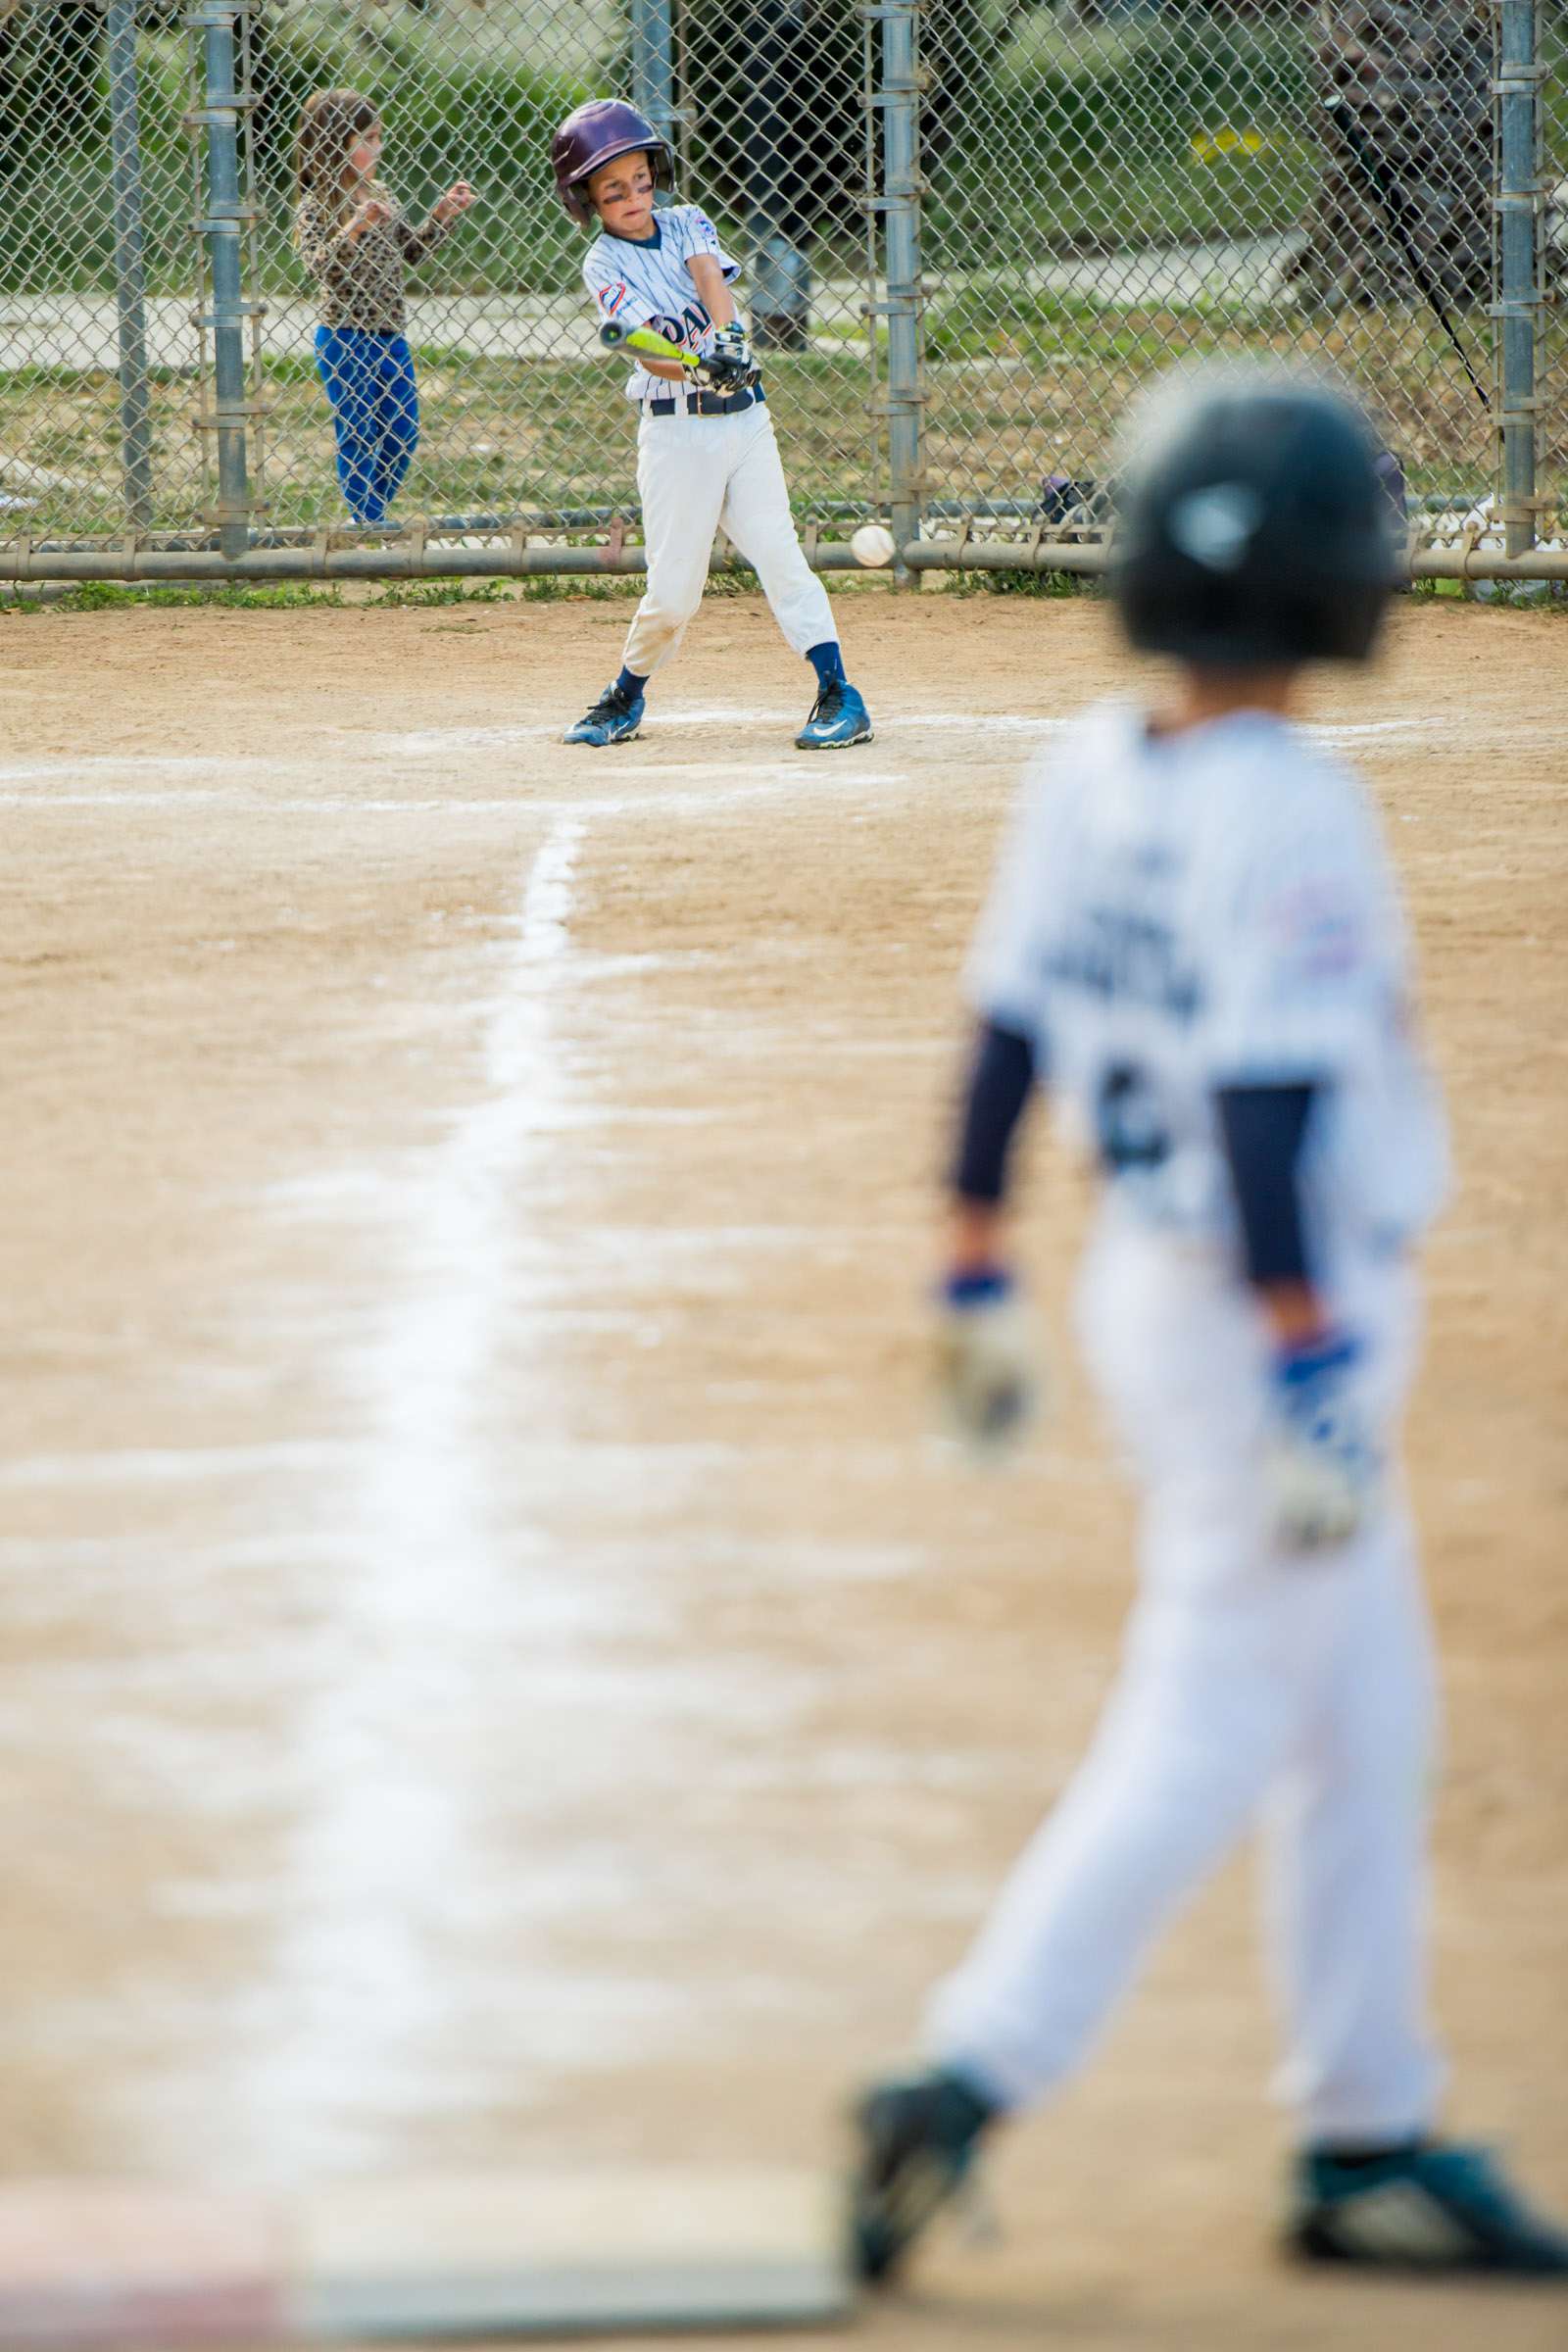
1263, 1128
1002, 1071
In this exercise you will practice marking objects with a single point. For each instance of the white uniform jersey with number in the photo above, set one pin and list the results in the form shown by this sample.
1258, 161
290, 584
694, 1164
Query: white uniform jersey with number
1171, 916
650, 284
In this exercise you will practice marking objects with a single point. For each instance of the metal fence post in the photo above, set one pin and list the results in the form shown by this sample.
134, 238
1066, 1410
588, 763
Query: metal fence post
223, 228
900, 101
1518, 309
653, 64
130, 291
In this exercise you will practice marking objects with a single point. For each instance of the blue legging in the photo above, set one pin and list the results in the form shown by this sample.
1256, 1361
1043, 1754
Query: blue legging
376, 414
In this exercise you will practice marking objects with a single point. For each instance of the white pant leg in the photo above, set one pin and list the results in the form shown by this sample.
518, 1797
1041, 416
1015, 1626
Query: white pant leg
1230, 1657
1345, 1859
1203, 1712
757, 515
682, 471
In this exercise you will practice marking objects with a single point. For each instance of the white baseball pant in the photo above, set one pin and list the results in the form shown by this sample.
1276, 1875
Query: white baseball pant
1252, 1685
694, 474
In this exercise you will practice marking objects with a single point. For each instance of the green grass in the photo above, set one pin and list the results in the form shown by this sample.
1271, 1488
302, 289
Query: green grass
521, 435
1519, 596
1050, 584
1042, 388
18, 381
107, 596
288, 596
1102, 126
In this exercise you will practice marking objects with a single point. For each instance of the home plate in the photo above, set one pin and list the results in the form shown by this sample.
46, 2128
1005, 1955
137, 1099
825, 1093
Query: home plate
114, 2265
610, 2252
107, 2262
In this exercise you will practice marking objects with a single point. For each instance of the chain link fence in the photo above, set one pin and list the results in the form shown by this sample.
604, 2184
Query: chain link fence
970, 228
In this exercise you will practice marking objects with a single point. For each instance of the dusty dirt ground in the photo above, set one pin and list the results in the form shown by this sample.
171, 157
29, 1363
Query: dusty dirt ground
496, 1670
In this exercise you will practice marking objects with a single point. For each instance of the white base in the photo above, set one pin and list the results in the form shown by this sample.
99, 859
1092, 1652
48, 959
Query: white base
520, 2254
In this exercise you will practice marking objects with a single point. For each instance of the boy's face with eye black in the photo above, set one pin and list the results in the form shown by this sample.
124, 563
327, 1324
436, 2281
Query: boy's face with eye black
622, 193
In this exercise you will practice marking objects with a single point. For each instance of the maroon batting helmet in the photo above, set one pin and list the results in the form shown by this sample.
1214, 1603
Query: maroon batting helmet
594, 137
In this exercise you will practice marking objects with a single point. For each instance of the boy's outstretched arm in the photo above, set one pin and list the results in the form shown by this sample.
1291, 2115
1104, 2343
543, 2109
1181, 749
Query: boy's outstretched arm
708, 276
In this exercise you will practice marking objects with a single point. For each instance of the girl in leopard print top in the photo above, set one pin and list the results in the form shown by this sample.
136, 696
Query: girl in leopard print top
355, 239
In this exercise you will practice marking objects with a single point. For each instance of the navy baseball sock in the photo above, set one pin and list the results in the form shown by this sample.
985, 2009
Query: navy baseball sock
629, 685
828, 663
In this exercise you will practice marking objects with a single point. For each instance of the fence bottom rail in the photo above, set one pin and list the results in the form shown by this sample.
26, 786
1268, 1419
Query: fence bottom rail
1093, 556
150, 565
148, 568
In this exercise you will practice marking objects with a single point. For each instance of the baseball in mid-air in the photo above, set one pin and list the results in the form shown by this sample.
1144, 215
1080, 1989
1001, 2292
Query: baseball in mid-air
873, 545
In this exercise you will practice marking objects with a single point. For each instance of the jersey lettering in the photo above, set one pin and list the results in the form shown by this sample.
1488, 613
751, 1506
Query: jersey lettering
693, 322
1116, 953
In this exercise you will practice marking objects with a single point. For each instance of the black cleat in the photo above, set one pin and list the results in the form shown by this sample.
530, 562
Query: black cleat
1427, 2208
916, 2147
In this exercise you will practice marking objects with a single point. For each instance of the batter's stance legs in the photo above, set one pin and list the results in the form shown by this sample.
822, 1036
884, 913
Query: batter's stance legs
693, 474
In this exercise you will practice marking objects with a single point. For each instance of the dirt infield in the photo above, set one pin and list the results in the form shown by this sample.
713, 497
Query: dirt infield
495, 1670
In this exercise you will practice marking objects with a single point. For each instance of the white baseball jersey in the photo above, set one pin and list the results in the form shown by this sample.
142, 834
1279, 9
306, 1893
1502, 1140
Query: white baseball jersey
649, 284
1215, 908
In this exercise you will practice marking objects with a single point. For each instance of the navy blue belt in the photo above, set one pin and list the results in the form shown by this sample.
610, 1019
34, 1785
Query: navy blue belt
709, 404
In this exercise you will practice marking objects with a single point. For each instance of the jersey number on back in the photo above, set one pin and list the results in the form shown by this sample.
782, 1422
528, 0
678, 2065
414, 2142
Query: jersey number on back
1127, 1120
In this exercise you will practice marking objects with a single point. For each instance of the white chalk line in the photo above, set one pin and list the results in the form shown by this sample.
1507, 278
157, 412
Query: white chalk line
393, 1819
440, 744
804, 773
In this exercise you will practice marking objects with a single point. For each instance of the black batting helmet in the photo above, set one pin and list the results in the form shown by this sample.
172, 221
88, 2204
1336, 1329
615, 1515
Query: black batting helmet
1253, 528
594, 135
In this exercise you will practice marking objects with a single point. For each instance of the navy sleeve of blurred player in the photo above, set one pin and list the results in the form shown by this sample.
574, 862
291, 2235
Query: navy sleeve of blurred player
1263, 1129
1001, 1070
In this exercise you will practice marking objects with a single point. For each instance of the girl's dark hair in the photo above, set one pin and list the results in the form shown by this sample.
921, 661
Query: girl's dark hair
330, 120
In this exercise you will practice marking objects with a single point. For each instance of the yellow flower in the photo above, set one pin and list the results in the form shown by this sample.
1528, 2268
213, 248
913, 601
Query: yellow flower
1207, 144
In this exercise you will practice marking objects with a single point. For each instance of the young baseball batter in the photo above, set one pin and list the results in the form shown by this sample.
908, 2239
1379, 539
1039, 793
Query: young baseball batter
1194, 944
354, 239
706, 452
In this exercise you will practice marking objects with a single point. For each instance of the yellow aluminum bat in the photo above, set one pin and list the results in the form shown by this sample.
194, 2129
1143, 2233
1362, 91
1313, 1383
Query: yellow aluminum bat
648, 340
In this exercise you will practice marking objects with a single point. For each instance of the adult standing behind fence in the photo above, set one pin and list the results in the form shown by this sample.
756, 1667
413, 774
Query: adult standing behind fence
354, 238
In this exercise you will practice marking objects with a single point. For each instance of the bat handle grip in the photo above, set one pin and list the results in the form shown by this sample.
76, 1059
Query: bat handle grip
610, 334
